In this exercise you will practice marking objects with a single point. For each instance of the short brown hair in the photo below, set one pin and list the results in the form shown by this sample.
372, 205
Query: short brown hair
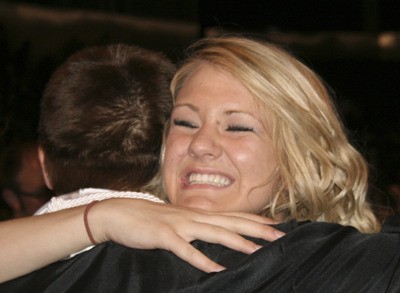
102, 117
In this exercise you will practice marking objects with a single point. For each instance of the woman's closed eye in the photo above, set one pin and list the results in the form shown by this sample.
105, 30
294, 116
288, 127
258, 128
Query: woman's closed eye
239, 128
231, 128
184, 123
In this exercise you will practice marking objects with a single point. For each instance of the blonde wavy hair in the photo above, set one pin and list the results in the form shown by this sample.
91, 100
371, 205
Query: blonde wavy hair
320, 175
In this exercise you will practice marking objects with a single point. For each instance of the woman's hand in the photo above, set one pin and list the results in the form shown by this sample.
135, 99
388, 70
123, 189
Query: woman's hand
148, 225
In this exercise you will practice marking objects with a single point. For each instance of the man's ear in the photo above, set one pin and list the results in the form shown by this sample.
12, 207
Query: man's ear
42, 159
12, 201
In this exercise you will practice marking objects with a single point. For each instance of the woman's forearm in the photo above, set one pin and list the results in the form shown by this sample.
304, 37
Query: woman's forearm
31, 243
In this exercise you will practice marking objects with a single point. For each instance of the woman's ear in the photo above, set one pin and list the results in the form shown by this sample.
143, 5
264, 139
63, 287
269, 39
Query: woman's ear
42, 159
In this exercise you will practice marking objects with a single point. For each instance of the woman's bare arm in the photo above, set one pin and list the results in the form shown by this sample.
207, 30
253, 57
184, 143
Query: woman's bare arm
34, 242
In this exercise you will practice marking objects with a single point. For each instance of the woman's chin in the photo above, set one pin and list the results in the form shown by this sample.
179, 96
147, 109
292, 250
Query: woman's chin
199, 203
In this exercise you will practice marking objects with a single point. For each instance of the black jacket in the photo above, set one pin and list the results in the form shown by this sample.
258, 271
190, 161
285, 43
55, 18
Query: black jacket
312, 257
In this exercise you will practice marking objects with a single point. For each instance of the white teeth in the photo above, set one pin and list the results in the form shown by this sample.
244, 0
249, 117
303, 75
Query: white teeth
211, 179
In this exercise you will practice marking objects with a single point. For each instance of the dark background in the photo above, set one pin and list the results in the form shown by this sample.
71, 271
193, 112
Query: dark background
353, 44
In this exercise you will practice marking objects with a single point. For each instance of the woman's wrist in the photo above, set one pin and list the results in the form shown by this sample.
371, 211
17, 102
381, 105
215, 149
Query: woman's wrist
86, 221
94, 220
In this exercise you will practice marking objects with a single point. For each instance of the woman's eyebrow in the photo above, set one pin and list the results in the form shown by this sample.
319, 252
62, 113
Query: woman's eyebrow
226, 113
190, 106
232, 112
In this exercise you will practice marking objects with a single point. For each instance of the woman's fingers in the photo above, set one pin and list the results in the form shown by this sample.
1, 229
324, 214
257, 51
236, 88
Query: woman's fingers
253, 217
191, 255
217, 234
182, 248
244, 225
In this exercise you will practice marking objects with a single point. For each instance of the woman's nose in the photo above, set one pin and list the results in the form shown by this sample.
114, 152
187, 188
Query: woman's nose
205, 144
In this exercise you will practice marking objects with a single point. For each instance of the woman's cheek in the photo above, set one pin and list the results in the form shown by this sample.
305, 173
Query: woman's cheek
179, 146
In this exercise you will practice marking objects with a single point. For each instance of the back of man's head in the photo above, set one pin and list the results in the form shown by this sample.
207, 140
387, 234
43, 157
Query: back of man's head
102, 117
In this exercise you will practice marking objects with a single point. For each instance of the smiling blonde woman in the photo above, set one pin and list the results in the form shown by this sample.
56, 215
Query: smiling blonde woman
318, 175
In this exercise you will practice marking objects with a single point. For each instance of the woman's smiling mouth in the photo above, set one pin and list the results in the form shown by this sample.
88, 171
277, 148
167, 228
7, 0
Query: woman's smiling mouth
208, 179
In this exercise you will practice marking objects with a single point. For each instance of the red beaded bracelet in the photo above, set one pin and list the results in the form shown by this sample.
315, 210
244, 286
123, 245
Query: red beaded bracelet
85, 220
